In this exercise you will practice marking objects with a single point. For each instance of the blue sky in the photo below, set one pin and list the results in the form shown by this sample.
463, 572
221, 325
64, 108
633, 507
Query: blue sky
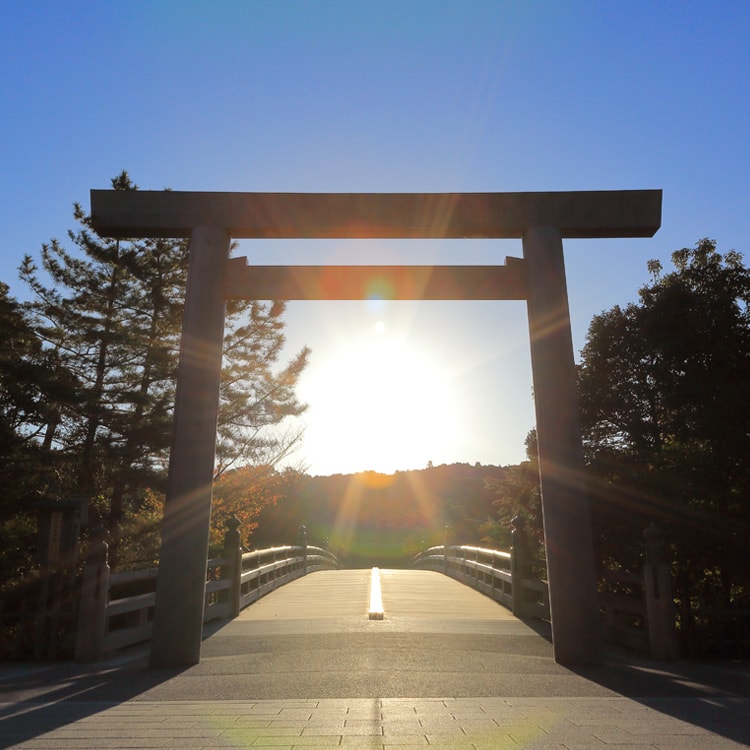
423, 96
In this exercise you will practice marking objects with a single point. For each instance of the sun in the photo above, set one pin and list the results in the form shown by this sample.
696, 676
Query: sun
380, 403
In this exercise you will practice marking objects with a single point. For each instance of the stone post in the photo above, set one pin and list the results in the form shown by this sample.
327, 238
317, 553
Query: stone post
233, 553
180, 588
571, 571
657, 590
92, 608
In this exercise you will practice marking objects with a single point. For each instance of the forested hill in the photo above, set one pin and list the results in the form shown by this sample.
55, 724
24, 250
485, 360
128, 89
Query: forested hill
380, 519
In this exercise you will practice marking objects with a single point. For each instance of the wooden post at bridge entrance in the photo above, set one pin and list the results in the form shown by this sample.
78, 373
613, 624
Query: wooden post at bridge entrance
541, 220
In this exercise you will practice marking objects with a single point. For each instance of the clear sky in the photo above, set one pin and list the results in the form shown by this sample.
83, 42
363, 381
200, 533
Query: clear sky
389, 96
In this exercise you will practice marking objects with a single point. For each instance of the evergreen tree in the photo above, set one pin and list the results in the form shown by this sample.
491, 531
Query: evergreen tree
84, 317
665, 399
110, 315
31, 384
255, 399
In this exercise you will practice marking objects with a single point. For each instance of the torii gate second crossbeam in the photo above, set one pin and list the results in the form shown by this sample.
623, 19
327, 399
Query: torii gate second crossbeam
541, 220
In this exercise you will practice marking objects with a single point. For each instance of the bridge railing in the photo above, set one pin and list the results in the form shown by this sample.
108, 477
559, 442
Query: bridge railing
267, 569
116, 610
637, 608
495, 573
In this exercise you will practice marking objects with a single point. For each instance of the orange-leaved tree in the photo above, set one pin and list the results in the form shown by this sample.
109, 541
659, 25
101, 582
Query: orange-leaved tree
243, 493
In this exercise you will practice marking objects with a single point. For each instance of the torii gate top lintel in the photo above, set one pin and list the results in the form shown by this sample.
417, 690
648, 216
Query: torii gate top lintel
577, 214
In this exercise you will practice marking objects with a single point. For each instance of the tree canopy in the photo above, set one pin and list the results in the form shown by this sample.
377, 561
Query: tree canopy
665, 402
87, 390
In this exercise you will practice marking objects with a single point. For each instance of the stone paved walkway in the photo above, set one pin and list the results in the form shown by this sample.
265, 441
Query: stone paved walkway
305, 668
386, 724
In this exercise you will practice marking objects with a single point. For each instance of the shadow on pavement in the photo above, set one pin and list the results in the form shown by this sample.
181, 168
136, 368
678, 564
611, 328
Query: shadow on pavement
541, 627
36, 699
710, 695
39, 698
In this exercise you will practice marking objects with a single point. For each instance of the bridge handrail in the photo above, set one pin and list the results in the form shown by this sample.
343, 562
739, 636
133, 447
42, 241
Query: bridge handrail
233, 581
637, 607
466, 549
490, 571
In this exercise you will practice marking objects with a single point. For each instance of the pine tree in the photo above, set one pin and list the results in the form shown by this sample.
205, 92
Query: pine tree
30, 384
255, 398
109, 314
83, 318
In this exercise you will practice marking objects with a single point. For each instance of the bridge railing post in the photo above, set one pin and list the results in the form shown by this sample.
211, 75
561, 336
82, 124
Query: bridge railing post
92, 610
657, 589
303, 544
445, 551
233, 555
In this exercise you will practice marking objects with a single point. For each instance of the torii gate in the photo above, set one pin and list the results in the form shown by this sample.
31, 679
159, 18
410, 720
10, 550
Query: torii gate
211, 220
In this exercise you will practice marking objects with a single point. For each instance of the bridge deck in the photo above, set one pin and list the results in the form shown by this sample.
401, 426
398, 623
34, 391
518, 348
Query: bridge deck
305, 667
313, 637
337, 601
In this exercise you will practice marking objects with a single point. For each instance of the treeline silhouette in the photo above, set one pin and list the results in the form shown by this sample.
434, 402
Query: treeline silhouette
378, 519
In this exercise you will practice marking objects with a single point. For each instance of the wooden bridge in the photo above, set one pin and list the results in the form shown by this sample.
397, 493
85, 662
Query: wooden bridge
317, 636
117, 611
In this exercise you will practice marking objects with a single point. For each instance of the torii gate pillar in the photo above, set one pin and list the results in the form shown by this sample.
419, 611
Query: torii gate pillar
571, 569
180, 587
540, 219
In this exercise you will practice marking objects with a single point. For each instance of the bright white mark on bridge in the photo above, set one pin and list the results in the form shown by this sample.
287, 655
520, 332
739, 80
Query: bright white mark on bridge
376, 596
